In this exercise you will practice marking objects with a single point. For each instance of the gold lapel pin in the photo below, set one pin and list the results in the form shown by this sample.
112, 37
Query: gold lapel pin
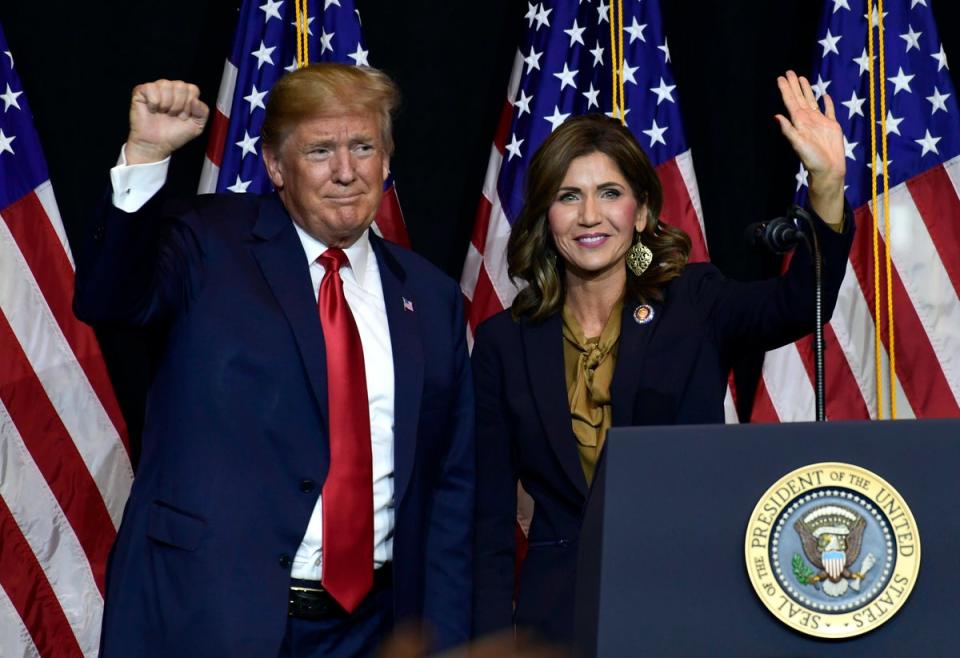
643, 314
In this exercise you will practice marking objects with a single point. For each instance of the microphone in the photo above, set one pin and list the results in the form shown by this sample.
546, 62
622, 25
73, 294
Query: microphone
779, 235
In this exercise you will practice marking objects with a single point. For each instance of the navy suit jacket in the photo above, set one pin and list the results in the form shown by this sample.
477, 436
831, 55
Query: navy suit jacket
671, 370
235, 446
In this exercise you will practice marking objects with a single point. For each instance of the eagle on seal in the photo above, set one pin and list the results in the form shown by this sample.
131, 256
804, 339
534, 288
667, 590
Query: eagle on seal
831, 537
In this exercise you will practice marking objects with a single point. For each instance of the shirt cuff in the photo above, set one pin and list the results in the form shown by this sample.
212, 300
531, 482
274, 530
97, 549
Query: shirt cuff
134, 185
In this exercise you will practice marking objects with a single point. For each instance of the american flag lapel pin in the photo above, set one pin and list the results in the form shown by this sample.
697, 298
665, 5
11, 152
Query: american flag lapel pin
407, 304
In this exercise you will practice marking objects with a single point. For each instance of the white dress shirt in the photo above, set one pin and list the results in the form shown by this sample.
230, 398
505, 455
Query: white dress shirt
134, 185
364, 293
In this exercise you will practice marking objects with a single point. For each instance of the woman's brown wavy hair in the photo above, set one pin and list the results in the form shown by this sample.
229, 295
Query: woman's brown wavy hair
531, 253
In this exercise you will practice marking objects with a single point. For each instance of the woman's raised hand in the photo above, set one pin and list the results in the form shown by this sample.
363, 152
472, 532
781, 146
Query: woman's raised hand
817, 139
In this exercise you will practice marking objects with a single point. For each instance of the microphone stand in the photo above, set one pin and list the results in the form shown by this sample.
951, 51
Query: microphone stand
809, 238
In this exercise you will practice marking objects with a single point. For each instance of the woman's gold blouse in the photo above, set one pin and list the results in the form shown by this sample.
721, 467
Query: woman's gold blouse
588, 364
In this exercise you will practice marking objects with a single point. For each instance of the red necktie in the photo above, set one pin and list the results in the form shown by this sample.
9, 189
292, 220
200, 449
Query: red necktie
348, 490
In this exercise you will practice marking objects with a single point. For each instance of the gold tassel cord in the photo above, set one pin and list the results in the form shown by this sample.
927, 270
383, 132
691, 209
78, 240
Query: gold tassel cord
616, 60
620, 60
886, 211
614, 65
877, 79
878, 346
303, 47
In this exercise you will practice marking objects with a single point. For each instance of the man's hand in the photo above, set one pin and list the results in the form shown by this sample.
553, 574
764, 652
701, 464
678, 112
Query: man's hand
164, 115
817, 139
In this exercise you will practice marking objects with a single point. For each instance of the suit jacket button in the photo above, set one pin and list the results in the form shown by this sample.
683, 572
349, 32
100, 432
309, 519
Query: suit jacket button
306, 486
285, 561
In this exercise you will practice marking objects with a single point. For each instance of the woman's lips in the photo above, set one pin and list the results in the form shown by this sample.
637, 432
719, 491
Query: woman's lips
592, 239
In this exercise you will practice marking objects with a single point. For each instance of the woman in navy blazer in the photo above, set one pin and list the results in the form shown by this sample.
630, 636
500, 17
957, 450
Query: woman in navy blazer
592, 198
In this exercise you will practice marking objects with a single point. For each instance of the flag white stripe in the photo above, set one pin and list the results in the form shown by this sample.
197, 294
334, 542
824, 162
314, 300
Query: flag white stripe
729, 408
904, 408
927, 283
498, 234
62, 377
17, 642
471, 272
685, 165
209, 174
493, 172
227, 84
50, 536
516, 74
788, 384
495, 254
853, 325
49, 203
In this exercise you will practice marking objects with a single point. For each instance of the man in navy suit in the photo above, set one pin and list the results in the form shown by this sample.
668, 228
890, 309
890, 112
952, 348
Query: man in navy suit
307, 473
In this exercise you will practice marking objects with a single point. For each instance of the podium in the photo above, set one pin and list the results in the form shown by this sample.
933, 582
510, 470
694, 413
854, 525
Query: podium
662, 567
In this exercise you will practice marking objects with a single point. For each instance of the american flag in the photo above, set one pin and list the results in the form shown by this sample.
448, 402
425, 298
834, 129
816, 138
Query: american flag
65, 469
264, 48
565, 67
923, 164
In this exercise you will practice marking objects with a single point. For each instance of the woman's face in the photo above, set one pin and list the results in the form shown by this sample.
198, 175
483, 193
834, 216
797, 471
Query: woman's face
593, 217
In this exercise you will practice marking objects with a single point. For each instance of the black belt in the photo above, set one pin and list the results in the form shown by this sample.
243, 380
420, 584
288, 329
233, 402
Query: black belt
309, 600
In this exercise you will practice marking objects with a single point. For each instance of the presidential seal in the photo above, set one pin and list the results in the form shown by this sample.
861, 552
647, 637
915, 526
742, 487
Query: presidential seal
832, 550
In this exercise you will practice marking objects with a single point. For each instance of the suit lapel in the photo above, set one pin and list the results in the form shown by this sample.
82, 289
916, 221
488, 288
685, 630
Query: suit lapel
634, 339
405, 341
543, 348
279, 253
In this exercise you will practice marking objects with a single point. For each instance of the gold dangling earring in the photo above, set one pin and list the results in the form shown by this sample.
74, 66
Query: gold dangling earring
639, 257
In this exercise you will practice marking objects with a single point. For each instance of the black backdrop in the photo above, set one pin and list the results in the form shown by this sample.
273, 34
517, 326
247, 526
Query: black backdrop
452, 58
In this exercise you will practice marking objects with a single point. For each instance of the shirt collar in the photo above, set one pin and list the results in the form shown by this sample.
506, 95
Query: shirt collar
358, 254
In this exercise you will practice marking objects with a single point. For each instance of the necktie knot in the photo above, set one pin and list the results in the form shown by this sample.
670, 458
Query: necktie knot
333, 259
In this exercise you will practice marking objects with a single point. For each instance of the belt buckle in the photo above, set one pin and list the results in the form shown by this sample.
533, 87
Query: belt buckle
296, 588
310, 602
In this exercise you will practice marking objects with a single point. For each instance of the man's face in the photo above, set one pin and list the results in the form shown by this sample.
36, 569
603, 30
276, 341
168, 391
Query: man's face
329, 173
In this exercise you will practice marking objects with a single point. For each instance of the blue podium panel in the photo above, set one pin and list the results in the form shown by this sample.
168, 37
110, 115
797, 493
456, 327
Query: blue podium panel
662, 569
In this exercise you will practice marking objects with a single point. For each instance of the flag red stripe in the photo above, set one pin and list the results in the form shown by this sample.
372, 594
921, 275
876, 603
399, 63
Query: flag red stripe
503, 128
763, 409
41, 248
54, 452
481, 224
678, 208
844, 401
27, 587
844, 398
390, 218
936, 199
219, 124
485, 301
917, 366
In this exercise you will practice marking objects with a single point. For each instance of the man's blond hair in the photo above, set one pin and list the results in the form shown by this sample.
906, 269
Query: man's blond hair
328, 89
